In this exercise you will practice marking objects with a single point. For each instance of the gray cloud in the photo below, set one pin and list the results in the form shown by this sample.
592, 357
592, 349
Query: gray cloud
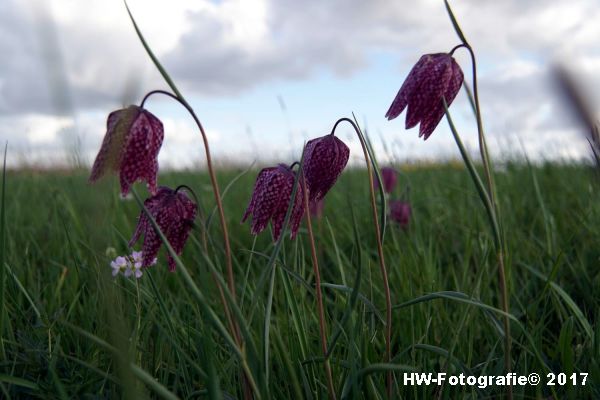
93, 60
54, 64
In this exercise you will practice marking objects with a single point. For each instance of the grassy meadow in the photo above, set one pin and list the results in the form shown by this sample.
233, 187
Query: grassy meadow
71, 330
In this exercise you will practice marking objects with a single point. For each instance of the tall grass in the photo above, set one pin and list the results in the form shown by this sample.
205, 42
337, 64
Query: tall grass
71, 330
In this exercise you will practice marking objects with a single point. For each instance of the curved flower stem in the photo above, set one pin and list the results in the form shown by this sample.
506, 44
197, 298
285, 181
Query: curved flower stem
498, 243
213, 179
179, 97
500, 248
474, 101
482, 143
247, 378
386, 285
226, 309
492, 193
319, 295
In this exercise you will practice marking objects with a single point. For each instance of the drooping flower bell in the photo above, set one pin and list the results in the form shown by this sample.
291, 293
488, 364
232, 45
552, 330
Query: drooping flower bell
130, 146
400, 212
434, 77
390, 179
270, 201
324, 160
174, 213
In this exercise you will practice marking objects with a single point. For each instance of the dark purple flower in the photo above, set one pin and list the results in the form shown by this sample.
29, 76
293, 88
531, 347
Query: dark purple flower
400, 212
434, 77
130, 146
174, 213
390, 179
324, 160
270, 200
316, 208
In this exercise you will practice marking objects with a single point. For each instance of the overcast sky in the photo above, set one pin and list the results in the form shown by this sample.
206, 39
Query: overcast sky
266, 75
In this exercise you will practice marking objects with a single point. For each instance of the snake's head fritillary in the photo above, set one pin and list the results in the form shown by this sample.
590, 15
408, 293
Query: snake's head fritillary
390, 179
324, 160
400, 212
433, 78
270, 201
174, 213
130, 147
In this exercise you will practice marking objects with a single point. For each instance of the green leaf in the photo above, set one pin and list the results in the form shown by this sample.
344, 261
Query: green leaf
157, 63
455, 24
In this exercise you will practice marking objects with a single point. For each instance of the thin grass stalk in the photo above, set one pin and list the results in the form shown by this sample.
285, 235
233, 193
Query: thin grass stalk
483, 194
500, 245
271, 265
474, 101
239, 350
378, 236
213, 180
179, 97
232, 325
497, 240
319, 295
500, 249
2, 254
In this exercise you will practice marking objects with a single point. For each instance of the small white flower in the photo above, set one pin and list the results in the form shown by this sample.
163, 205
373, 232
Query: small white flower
118, 264
137, 256
130, 265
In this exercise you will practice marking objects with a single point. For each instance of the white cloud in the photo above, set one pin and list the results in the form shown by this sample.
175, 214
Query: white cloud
71, 61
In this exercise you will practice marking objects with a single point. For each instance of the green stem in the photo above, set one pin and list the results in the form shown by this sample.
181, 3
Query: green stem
179, 97
483, 194
230, 278
491, 193
319, 294
487, 165
238, 350
378, 236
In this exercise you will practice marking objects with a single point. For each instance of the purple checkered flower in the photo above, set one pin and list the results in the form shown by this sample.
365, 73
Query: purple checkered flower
130, 146
400, 212
390, 179
434, 77
174, 213
270, 200
324, 160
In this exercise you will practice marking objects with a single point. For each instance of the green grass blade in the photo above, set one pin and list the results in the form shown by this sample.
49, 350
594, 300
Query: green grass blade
13, 380
267, 323
566, 298
212, 316
382, 202
2, 254
455, 24
483, 194
154, 59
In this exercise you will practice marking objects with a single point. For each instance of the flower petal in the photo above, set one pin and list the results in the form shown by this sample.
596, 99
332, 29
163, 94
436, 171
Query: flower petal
324, 160
433, 81
410, 84
117, 132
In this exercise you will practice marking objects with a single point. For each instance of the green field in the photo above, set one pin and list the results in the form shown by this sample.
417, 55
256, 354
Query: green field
71, 330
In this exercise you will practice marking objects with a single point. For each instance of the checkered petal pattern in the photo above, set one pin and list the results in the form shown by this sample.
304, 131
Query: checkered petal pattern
174, 213
130, 147
324, 160
270, 201
433, 78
